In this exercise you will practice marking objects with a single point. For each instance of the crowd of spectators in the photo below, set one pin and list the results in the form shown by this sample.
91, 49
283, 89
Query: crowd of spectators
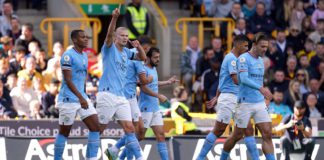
294, 63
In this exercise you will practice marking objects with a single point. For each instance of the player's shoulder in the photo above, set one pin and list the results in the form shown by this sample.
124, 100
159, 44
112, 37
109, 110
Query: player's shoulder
243, 57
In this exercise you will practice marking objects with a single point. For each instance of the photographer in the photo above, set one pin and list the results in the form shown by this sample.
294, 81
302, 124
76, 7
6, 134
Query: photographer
298, 132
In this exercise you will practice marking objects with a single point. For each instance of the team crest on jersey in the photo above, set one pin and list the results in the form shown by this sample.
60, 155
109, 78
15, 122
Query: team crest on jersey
66, 58
233, 63
66, 119
242, 59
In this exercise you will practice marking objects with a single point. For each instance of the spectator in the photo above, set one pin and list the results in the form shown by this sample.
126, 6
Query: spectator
22, 98
41, 62
318, 13
38, 88
5, 19
292, 94
11, 81
57, 53
15, 30
261, 22
137, 19
309, 50
249, 8
188, 62
307, 26
309, 6
216, 44
282, 42
317, 35
32, 48
314, 89
17, 64
268, 72
30, 72
180, 95
304, 64
283, 12
291, 67
279, 83
318, 73
298, 132
203, 62
35, 110
277, 107
210, 78
316, 60
303, 78
277, 58
311, 101
296, 38
6, 46
6, 102
268, 5
27, 36
298, 14
240, 27
4, 69
221, 8
234, 14
48, 99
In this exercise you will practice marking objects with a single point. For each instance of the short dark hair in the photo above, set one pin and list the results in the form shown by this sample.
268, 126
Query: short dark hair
320, 43
240, 38
207, 49
75, 33
19, 48
7, 1
29, 26
150, 52
144, 39
260, 37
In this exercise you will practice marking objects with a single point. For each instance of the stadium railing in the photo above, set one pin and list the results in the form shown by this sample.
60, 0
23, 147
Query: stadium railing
84, 23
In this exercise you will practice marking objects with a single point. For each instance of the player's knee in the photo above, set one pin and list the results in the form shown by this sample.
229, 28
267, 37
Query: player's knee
219, 131
129, 128
266, 135
141, 136
249, 132
160, 137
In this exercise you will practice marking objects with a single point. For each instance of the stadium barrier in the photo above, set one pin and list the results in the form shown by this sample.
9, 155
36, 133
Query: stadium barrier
183, 30
180, 148
84, 23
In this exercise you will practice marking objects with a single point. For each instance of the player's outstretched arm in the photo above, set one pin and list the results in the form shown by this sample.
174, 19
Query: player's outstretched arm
149, 92
112, 26
67, 74
171, 80
141, 55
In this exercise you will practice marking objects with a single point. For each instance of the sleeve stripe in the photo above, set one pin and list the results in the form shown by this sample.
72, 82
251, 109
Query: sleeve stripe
66, 68
142, 72
69, 65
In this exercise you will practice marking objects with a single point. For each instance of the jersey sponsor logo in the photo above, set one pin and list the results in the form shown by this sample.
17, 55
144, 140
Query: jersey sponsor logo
240, 150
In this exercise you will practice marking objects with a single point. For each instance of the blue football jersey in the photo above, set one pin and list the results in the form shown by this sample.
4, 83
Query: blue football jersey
134, 68
114, 69
78, 64
229, 67
255, 68
148, 103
